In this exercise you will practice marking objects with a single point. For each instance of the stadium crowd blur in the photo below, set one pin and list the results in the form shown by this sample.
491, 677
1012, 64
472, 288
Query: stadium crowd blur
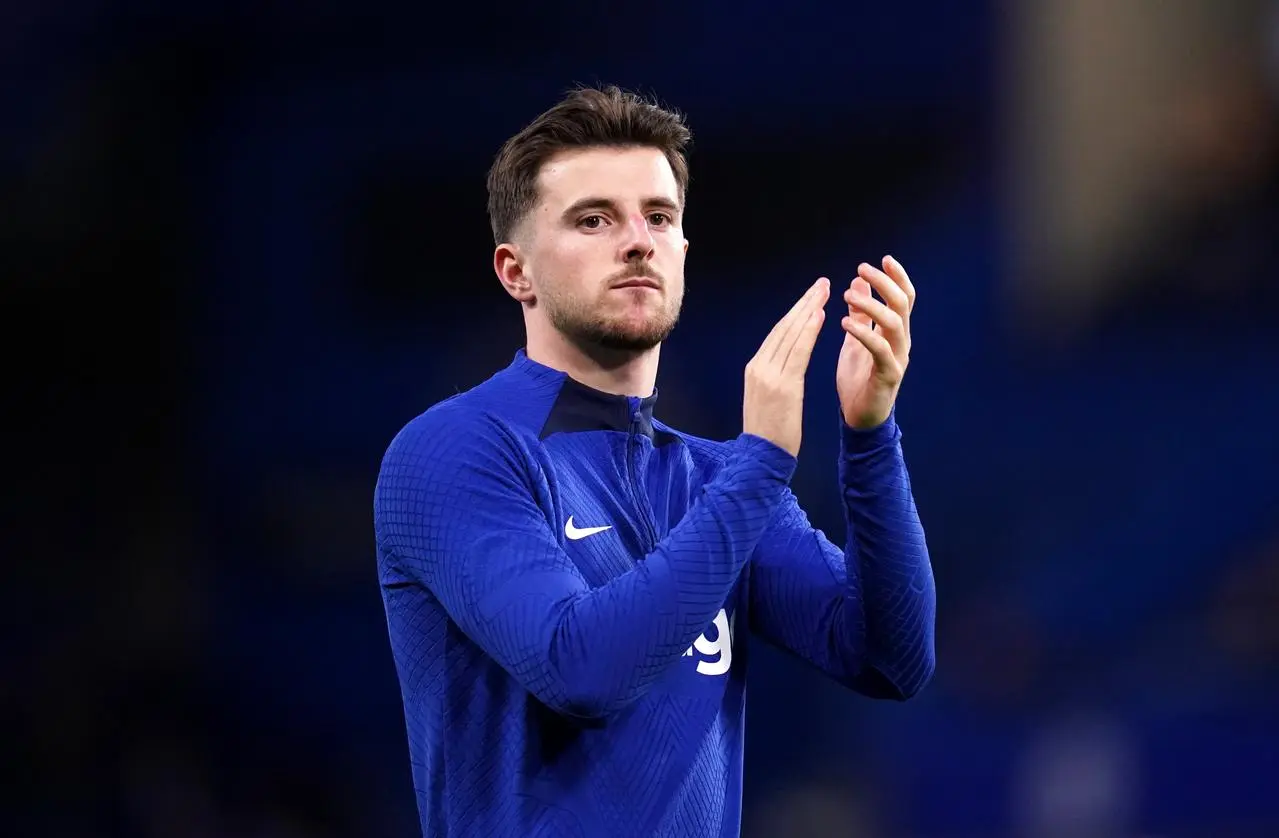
244, 243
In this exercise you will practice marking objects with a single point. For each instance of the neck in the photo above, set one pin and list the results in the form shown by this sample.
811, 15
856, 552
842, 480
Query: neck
613, 371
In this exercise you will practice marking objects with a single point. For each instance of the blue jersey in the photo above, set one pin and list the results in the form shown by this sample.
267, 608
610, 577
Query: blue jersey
570, 587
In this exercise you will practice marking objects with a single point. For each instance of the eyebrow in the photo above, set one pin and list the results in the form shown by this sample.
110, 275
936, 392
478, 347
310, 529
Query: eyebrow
596, 203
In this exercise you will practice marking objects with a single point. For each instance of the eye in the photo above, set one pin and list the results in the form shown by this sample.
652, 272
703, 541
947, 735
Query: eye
592, 222
659, 219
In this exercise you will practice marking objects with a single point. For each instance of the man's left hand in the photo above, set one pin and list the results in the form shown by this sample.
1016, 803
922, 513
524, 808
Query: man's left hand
876, 347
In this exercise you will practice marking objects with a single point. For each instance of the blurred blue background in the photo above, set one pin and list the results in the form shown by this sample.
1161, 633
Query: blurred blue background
243, 243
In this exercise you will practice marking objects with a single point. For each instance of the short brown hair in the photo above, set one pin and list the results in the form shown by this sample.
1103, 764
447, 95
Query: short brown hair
585, 118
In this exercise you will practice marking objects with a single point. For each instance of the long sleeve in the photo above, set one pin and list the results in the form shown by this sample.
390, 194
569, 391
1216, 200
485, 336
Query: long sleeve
863, 615
455, 511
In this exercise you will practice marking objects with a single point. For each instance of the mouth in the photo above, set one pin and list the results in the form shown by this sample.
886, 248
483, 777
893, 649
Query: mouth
639, 282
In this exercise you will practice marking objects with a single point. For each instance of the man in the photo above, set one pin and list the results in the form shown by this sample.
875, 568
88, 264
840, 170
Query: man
569, 583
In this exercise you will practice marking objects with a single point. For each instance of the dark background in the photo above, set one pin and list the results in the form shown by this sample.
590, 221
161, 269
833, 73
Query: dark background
242, 243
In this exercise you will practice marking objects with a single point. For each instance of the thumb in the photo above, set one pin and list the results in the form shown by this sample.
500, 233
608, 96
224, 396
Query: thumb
860, 288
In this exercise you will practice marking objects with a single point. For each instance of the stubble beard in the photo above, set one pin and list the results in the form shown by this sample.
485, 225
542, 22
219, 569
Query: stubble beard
590, 330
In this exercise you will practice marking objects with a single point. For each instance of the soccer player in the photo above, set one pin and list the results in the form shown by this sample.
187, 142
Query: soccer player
570, 583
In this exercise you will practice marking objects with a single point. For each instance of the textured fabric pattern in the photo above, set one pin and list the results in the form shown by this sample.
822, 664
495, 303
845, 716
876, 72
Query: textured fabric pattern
567, 583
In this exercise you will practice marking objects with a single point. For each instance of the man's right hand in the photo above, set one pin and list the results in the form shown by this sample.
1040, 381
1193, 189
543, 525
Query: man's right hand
773, 402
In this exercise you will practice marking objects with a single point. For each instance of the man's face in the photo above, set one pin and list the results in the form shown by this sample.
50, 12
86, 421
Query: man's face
604, 252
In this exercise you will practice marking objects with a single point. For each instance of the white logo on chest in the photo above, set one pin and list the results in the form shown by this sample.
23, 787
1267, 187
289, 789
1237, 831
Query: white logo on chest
719, 651
575, 533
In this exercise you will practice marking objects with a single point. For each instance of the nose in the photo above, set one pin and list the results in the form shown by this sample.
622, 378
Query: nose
637, 241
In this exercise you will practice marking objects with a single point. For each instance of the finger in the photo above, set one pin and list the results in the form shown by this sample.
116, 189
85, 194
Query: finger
898, 274
874, 342
890, 292
890, 324
778, 342
771, 341
860, 289
803, 323
805, 339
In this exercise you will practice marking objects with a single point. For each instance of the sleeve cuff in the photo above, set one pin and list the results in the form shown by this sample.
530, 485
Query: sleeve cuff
777, 459
856, 441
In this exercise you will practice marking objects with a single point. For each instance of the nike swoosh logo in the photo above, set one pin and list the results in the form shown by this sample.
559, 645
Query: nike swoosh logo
574, 533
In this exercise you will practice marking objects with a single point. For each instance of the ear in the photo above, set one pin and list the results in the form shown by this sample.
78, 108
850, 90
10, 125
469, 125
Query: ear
685, 247
509, 266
